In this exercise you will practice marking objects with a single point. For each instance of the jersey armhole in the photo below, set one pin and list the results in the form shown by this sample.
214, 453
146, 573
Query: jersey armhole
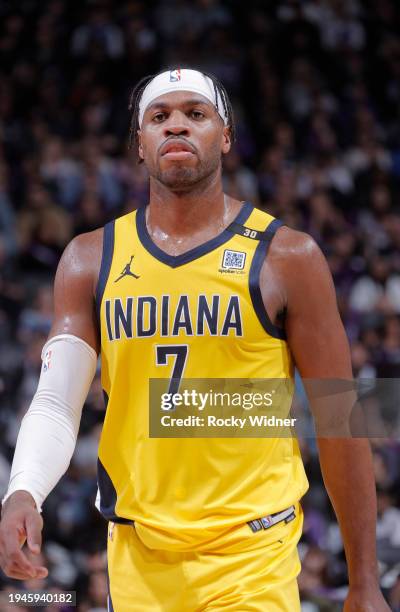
105, 266
254, 281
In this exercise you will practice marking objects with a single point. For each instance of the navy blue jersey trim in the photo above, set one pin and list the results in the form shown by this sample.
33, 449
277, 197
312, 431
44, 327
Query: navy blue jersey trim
248, 232
106, 260
110, 607
108, 496
108, 493
254, 281
178, 260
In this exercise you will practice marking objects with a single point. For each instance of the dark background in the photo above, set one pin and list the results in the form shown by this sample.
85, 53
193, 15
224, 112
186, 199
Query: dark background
316, 92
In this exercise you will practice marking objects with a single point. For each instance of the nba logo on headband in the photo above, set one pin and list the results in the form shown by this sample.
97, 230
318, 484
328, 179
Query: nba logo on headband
175, 75
182, 79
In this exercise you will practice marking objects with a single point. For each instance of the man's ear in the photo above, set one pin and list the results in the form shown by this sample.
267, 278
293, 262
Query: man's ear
226, 140
140, 147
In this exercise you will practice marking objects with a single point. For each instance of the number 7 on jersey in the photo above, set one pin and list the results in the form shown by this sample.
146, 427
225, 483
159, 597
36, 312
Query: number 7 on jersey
180, 352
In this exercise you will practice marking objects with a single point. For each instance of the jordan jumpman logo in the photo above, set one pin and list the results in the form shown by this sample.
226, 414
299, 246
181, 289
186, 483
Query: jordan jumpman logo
127, 271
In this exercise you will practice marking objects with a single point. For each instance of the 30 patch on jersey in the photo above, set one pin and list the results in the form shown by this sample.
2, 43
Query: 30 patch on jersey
233, 260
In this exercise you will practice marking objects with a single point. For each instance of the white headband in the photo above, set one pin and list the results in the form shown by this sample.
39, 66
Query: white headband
181, 80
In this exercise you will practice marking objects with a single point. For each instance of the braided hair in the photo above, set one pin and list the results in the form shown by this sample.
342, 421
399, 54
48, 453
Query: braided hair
136, 95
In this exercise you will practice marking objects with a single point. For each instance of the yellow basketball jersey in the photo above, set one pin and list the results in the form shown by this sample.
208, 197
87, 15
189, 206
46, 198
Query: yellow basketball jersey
182, 492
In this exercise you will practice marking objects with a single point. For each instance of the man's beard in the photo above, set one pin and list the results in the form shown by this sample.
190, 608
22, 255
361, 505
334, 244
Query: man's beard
183, 178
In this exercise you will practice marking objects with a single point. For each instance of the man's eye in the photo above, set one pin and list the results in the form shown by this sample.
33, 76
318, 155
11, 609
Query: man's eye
158, 117
197, 114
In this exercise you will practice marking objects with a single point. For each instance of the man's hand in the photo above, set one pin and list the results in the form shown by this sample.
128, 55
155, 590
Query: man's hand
20, 523
369, 599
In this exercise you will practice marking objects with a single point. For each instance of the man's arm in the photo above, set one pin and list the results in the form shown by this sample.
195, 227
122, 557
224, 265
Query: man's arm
75, 287
320, 348
48, 432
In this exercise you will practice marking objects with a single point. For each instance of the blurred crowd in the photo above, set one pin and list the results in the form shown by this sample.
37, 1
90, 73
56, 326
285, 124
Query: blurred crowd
315, 86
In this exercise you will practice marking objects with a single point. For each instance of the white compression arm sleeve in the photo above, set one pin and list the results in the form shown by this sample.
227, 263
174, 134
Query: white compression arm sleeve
48, 433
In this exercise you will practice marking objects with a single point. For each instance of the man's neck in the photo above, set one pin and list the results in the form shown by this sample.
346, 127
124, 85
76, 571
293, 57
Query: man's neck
180, 214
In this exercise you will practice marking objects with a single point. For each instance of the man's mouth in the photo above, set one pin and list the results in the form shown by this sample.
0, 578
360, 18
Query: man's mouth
176, 150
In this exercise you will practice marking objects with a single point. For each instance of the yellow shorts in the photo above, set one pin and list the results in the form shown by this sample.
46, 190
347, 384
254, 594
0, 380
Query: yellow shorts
243, 571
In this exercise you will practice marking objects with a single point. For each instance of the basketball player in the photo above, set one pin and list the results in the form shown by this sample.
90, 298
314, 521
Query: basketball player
194, 524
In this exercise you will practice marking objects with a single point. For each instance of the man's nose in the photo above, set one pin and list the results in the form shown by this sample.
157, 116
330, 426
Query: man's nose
177, 124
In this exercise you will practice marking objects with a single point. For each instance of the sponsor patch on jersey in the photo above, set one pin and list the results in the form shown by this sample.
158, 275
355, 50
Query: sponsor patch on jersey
174, 75
233, 260
47, 361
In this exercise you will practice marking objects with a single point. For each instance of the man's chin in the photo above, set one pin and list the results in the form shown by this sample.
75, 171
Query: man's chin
178, 177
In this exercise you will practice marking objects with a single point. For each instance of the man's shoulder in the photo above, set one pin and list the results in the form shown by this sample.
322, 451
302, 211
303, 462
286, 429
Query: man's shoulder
86, 244
83, 254
88, 240
297, 262
293, 246
293, 270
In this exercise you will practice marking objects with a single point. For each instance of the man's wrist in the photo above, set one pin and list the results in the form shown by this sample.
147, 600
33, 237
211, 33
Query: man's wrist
19, 496
364, 582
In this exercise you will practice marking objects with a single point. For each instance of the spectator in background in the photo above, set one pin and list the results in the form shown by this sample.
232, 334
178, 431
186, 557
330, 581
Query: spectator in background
239, 180
99, 35
60, 173
8, 237
388, 538
379, 290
